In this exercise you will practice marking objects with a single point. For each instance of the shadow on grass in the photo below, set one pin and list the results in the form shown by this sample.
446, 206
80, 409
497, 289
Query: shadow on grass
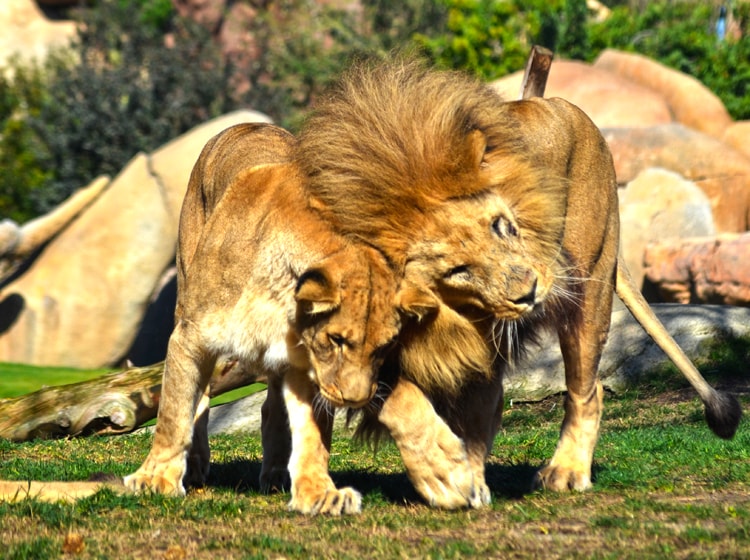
505, 482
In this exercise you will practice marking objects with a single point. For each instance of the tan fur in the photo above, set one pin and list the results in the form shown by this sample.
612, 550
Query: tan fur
14, 491
261, 278
506, 212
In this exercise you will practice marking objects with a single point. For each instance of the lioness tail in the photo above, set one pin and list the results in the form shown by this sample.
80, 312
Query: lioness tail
723, 411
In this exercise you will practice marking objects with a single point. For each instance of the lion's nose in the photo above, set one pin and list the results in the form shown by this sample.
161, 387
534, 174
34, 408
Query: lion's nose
529, 298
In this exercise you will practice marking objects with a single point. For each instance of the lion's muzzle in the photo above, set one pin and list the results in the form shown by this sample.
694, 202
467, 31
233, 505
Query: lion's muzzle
351, 397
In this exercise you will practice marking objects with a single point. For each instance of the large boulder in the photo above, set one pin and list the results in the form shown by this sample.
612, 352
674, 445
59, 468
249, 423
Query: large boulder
720, 171
691, 103
27, 33
658, 205
701, 270
608, 99
81, 301
737, 135
630, 354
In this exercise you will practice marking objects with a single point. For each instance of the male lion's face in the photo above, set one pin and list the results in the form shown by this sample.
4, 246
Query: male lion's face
347, 318
497, 252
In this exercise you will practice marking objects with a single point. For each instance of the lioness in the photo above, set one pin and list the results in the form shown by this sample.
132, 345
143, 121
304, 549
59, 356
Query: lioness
429, 166
262, 278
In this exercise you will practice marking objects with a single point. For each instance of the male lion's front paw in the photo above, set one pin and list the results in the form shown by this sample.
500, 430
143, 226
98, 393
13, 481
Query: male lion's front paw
332, 501
162, 480
276, 479
441, 472
561, 479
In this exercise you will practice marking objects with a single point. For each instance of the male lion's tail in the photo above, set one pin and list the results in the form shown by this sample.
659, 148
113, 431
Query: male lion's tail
723, 411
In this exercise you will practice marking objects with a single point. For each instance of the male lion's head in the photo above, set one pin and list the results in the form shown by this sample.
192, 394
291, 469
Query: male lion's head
439, 173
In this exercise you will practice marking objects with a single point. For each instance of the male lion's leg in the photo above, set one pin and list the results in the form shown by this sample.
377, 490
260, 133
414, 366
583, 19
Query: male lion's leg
199, 456
276, 438
184, 383
480, 408
313, 490
570, 466
435, 458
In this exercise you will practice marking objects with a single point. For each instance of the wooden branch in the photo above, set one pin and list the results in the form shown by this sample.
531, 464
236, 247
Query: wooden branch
115, 403
536, 72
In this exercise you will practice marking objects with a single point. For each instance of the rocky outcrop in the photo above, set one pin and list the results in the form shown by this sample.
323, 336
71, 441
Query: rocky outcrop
721, 172
691, 103
82, 300
702, 270
630, 354
737, 135
608, 99
27, 33
658, 205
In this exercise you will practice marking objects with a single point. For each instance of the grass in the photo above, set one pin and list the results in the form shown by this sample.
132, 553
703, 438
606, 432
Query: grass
18, 379
664, 487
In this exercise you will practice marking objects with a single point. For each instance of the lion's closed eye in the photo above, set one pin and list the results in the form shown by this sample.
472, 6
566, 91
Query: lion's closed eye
504, 228
337, 340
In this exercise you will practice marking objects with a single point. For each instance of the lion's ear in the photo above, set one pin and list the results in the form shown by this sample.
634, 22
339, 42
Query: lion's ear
476, 147
416, 301
317, 291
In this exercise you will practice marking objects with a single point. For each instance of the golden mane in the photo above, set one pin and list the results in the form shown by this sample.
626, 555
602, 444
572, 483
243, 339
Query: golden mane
392, 141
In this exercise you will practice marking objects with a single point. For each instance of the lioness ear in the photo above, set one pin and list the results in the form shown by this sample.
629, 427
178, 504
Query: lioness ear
416, 301
317, 291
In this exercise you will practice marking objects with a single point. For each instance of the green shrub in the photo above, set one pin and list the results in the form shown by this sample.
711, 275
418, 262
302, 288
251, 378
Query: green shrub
119, 90
681, 36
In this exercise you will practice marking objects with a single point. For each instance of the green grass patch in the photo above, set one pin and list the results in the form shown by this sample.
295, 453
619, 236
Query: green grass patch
20, 379
664, 487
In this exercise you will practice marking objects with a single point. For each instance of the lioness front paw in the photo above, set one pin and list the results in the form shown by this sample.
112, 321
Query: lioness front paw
161, 479
561, 479
333, 501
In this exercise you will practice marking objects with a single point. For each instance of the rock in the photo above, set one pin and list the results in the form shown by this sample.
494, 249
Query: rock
608, 99
628, 357
657, 205
243, 416
720, 171
704, 270
28, 33
737, 135
630, 354
81, 301
692, 103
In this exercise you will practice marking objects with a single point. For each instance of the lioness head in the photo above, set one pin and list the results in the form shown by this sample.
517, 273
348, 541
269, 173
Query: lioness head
349, 311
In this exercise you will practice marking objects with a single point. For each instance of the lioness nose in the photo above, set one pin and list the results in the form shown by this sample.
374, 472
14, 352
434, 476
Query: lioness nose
529, 297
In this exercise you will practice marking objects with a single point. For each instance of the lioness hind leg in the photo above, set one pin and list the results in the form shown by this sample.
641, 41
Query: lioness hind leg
435, 458
185, 380
313, 491
276, 438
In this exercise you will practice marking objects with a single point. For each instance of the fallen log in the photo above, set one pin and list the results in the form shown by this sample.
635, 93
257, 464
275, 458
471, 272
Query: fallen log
114, 403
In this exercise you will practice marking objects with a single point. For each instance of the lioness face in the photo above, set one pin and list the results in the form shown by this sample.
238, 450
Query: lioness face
347, 318
497, 252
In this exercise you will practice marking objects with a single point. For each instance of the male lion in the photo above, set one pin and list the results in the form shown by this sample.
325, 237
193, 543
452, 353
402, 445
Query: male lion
434, 168
263, 279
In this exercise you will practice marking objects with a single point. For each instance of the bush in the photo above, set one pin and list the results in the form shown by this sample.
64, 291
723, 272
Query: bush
681, 35
87, 111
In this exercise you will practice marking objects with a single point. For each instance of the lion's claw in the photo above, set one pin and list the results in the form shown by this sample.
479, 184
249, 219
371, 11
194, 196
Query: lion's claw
334, 501
559, 479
